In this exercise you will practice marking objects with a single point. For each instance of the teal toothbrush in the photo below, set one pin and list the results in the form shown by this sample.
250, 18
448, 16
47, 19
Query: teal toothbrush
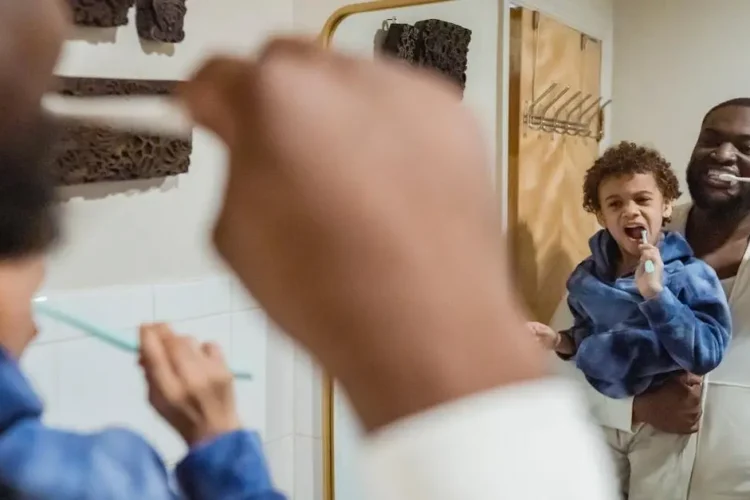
649, 265
102, 334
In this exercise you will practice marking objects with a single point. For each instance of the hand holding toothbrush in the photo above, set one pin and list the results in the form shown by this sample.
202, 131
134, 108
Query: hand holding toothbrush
649, 275
189, 384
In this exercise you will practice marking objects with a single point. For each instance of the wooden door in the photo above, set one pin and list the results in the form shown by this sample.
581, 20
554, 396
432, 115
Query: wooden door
549, 229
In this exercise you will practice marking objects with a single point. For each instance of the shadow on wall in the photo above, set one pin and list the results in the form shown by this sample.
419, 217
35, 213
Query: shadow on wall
94, 36
539, 280
379, 40
97, 36
101, 190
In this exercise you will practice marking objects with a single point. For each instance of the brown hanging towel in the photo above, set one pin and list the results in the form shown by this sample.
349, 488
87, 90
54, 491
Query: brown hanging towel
431, 43
444, 46
402, 42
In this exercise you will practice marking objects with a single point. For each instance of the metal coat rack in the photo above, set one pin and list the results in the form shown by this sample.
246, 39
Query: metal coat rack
580, 115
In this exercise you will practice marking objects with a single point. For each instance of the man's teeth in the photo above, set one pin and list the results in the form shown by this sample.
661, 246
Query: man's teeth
721, 175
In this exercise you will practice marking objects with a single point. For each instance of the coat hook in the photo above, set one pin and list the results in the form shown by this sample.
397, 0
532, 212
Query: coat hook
545, 110
574, 126
388, 22
600, 132
590, 119
562, 128
539, 99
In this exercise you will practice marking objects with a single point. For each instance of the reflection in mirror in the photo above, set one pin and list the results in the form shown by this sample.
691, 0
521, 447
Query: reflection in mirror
673, 64
458, 40
547, 103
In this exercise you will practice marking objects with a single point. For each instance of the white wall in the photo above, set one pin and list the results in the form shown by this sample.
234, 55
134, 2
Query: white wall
149, 235
356, 35
674, 60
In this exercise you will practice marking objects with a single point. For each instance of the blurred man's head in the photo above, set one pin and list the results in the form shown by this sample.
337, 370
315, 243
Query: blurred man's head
31, 35
723, 146
28, 228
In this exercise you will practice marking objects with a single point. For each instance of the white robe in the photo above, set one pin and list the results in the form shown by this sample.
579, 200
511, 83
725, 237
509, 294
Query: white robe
721, 470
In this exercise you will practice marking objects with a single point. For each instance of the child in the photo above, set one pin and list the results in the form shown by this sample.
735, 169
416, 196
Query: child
38, 462
644, 308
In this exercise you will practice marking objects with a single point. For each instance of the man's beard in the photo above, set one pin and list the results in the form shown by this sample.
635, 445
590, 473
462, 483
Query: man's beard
729, 207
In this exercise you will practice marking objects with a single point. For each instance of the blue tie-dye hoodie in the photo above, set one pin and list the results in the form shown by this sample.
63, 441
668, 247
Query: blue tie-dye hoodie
41, 463
626, 344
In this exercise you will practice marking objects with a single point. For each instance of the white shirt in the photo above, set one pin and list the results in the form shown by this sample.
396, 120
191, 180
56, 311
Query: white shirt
728, 284
523, 442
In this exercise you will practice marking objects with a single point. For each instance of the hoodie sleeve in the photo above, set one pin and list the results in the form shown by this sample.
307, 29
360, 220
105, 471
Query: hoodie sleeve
230, 467
695, 325
40, 462
581, 329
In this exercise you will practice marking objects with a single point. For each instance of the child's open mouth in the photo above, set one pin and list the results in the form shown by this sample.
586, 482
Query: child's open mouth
634, 232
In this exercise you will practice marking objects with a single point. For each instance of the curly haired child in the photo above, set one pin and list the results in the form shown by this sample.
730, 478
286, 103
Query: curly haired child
644, 308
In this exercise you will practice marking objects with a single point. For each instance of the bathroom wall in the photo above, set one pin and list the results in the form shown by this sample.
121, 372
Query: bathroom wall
144, 232
140, 251
356, 35
86, 384
675, 59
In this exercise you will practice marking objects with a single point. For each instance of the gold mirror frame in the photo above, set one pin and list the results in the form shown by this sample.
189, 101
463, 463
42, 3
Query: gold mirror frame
327, 398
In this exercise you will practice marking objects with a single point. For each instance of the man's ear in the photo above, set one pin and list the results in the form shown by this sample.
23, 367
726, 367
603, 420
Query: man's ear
667, 210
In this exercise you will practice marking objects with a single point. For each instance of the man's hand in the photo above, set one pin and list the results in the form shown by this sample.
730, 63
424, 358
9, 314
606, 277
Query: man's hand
675, 407
359, 211
189, 384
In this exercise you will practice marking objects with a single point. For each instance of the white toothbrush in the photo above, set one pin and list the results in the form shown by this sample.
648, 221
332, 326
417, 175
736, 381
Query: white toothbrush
649, 264
140, 114
732, 178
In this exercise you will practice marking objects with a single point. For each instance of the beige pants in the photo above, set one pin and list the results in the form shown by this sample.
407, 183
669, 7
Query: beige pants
652, 465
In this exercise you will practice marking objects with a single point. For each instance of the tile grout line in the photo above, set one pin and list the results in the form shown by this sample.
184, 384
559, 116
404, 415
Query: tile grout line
123, 329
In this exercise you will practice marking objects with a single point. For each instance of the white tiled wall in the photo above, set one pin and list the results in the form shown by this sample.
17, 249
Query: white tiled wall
88, 385
293, 415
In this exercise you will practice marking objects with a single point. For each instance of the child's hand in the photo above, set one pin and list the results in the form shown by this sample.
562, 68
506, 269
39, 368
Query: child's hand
546, 336
650, 284
189, 384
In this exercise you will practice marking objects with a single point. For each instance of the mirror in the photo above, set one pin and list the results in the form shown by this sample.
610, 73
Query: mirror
362, 30
554, 85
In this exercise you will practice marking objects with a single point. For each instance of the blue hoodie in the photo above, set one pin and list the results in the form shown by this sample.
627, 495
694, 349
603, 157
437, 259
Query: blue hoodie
626, 344
38, 462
